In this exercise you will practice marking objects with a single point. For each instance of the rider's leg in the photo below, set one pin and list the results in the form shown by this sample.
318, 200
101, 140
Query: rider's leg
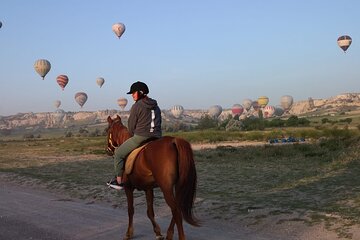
122, 151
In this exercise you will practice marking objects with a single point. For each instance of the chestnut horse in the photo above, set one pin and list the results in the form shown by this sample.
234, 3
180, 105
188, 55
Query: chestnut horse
166, 163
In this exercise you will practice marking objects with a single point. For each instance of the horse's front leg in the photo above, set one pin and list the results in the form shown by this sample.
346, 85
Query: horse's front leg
151, 214
130, 201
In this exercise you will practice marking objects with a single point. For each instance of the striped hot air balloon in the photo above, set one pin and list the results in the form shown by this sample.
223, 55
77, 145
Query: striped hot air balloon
118, 29
42, 67
177, 111
344, 42
81, 98
62, 80
268, 111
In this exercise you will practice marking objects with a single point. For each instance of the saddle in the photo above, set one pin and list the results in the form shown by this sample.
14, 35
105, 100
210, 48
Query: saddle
129, 163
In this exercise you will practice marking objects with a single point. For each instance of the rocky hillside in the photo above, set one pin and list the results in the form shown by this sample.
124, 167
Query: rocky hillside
340, 103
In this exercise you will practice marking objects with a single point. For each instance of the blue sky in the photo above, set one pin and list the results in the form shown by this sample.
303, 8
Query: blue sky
193, 53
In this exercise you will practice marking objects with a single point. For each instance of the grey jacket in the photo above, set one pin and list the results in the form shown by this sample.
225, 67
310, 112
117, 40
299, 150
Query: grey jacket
145, 118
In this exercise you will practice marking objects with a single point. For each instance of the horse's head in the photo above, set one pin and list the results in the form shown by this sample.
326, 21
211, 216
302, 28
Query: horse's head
117, 133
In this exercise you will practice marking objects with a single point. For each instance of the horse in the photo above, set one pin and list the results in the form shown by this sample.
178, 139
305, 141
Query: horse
167, 163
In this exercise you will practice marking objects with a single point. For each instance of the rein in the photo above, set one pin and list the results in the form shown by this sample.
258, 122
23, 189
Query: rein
111, 145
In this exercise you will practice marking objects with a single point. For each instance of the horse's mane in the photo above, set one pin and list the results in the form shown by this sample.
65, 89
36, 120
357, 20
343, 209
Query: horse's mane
118, 130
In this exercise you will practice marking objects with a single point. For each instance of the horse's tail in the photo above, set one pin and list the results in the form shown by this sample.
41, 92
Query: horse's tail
186, 186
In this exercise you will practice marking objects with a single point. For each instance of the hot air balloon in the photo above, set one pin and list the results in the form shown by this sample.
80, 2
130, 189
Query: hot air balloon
118, 29
237, 110
62, 80
81, 98
177, 111
42, 67
0, 24
215, 111
263, 101
268, 111
255, 105
286, 102
344, 42
100, 81
57, 103
122, 102
247, 104
279, 111
59, 115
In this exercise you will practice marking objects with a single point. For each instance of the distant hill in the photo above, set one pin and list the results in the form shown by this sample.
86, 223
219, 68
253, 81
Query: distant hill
346, 102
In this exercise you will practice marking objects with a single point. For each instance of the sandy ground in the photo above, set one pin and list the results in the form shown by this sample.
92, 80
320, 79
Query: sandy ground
32, 213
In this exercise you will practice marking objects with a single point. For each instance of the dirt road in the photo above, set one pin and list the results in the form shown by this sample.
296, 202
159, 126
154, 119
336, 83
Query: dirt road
35, 214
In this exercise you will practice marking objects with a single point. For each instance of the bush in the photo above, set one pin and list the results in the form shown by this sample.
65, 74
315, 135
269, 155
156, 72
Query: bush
207, 122
28, 136
68, 134
346, 120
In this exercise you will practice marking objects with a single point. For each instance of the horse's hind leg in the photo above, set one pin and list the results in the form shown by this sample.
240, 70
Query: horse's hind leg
151, 214
176, 216
130, 201
170, 231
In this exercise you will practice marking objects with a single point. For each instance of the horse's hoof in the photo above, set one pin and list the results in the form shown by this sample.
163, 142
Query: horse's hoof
127, 237
159, 237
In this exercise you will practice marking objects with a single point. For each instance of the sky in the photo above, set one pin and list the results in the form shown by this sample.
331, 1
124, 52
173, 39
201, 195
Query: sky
190, 53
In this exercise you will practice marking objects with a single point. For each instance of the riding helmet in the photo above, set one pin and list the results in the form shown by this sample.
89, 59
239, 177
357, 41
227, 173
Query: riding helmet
139, 86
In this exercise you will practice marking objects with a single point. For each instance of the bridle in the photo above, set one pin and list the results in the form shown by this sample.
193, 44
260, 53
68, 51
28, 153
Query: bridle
112, 145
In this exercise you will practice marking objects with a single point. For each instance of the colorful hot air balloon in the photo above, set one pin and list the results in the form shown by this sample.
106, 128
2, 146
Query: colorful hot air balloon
215, 111
255, 105
62, 80
42, 67
286, 102
122, 102
268, 111
100, 81
237, 110
247, 104
263, 101
177, 111
81, 98
57, 103
118, 29
344, 42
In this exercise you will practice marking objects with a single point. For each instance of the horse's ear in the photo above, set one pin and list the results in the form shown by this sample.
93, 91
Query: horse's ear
109, 120
118, 117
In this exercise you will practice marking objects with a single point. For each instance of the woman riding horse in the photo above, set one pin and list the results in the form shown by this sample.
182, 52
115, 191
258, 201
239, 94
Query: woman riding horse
144, 123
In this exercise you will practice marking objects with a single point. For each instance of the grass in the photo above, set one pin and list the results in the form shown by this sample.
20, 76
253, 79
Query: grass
311, 182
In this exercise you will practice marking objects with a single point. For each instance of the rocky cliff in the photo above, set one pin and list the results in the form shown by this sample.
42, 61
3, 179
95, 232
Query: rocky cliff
340, 103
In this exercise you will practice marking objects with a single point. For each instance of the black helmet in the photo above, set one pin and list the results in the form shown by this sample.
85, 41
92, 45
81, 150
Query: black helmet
139, 86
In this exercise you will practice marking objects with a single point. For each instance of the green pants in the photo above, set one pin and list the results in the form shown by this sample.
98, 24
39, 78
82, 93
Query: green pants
123, 150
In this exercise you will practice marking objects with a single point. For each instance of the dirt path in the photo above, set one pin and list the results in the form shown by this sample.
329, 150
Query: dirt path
27, 213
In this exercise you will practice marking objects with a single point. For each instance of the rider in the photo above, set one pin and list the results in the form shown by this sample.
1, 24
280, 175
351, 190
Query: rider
144, 122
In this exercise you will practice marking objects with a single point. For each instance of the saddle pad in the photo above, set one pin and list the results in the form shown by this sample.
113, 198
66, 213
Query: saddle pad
129, 163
